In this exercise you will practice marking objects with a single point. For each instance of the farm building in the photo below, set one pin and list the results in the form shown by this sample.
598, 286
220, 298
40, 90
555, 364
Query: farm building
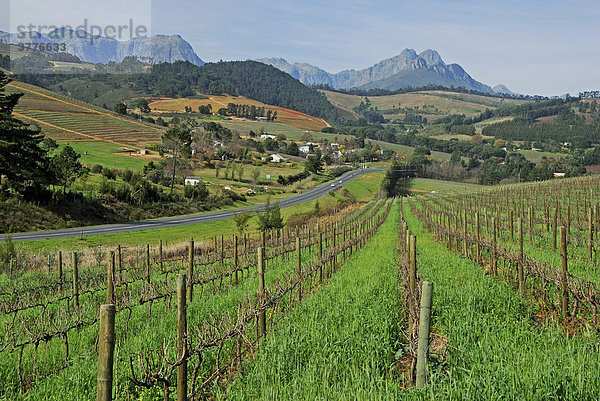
277, 158
262, 119
268, 136
193, 181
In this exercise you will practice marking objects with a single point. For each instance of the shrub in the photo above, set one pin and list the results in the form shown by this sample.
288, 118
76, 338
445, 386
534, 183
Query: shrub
108, 173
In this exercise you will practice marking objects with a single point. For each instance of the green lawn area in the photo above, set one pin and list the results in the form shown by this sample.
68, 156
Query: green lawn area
103, 153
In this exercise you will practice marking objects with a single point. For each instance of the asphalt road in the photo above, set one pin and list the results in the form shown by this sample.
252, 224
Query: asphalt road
165, 222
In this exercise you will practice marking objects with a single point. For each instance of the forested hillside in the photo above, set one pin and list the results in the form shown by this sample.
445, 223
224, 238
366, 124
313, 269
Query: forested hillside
182, 79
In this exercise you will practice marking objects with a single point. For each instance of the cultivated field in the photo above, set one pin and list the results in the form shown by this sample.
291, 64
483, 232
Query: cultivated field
66, 119
285, 116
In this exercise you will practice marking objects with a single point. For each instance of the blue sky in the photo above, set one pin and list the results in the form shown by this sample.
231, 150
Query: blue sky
535, 47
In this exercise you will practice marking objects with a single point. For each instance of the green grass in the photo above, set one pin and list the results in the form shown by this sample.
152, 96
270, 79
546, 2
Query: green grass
104, 153
536, 156
366, 187
426, 185
340, 343
496, 348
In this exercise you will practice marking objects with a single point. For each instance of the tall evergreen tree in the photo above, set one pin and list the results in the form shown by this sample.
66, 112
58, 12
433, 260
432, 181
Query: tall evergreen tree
22, 159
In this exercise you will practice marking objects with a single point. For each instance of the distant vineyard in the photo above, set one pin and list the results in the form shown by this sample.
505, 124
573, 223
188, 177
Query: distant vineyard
63, 118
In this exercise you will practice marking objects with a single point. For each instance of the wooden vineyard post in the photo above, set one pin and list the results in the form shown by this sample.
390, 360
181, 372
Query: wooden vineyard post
412, 274
181, 339
412, 264
511, 224
596, 215
494, 261
320, 257
147, 267
590, 233
424, 325
160, 255
49, 265
235, 258
110, 274
547, 218
106, 348
11, 268
477, 239
190, 286
564, 273
299, 268
465, 234
75, 282
60, 271
262, 322
222, 249
554, 226
531, 224
334, 260
520, 262
120, 255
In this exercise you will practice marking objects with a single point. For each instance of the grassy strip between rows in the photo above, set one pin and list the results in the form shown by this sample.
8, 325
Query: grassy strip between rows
340, 343
496, 349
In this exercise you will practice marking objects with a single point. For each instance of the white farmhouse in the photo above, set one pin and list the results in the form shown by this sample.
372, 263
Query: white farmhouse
193, 181
268, 136
277, 158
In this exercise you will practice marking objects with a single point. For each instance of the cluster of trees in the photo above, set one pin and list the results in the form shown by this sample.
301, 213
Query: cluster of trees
5, 61
204, 109
578, 134
275, 145
290, 179
368, 112
270, 219
247, 111
394, 182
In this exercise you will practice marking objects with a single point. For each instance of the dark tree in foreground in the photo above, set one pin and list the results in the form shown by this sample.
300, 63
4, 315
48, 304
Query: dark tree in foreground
22, 159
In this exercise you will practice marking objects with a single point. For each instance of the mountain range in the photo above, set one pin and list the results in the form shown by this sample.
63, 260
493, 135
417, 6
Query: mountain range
404, 70
99, 49
407, 69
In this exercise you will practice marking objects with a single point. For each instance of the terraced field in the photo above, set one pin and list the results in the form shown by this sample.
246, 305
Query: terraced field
66, 119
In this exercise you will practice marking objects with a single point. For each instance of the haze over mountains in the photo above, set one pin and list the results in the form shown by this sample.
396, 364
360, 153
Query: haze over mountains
99, 49
406, 69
